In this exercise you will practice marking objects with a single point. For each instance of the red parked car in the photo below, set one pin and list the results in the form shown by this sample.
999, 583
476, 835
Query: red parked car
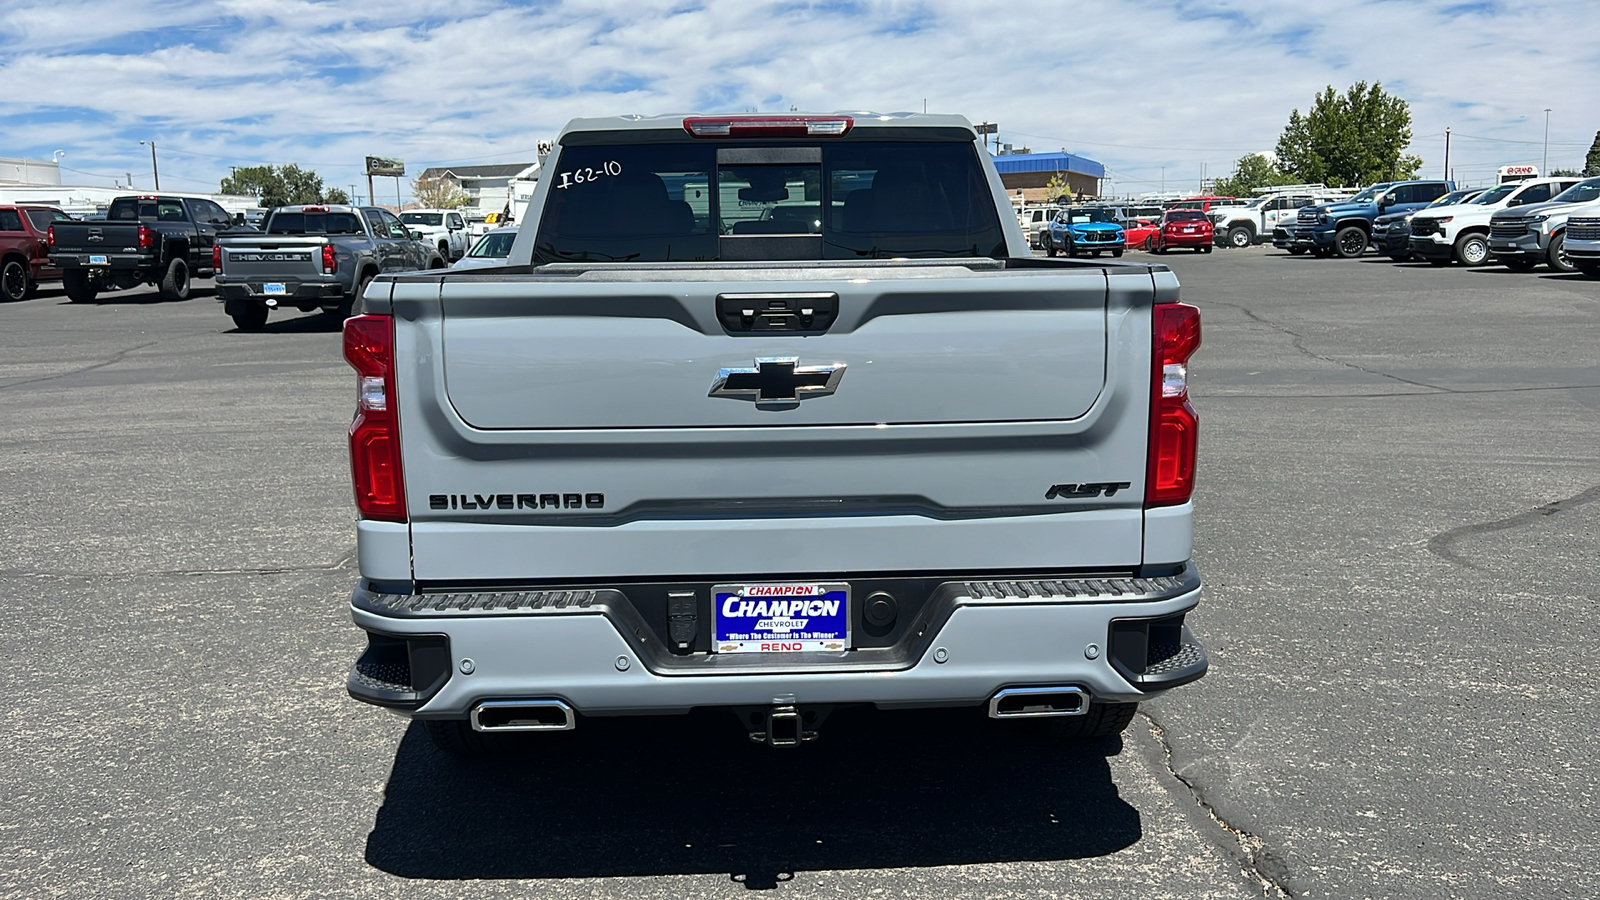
25, 250
1184, 228
1141, 233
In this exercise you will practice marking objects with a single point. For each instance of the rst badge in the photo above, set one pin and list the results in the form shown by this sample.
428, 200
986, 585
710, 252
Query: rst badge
775, 618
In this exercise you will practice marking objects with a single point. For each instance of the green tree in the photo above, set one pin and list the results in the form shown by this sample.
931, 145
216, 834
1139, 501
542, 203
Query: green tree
1251, 174
1357, 137
278, 186
336, 195
1591, 163
1059, 190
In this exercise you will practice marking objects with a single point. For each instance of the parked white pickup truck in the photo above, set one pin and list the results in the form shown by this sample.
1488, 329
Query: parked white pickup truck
443, 228
1252, 223
683, 452
1461, 232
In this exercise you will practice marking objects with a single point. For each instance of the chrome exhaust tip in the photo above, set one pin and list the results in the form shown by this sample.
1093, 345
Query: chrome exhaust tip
1038, 702
523, 715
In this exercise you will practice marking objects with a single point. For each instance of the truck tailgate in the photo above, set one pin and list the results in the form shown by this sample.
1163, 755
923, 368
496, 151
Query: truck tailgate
559, 427
95, 237
253, 257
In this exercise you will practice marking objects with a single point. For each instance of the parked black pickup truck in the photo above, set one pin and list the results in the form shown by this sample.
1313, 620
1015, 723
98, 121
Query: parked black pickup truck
157, 240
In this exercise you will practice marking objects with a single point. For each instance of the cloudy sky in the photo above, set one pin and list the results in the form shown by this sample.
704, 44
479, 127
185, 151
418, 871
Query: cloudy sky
1158, 90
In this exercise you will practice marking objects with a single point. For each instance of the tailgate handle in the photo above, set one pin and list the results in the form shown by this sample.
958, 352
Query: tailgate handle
764, 313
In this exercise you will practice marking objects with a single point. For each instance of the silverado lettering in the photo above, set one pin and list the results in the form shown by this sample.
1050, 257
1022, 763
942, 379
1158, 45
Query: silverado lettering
516, 501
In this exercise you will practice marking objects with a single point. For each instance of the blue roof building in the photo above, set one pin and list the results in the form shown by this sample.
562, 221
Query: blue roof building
1034, 170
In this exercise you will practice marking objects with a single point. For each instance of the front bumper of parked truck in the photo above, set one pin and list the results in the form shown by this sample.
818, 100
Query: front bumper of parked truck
629, 649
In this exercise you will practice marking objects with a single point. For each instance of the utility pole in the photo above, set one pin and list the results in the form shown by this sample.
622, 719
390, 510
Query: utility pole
1163, 179
156, 173
1546, 169
1447, 153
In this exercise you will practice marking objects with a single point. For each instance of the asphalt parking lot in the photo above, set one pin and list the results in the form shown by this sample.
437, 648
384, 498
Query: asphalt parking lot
1395, 522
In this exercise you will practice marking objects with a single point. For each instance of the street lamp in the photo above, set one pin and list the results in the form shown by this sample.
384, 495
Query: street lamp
154, 172
1546, 168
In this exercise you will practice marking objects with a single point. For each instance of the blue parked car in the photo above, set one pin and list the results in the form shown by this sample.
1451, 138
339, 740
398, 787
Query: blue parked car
1089, 230
1346, 228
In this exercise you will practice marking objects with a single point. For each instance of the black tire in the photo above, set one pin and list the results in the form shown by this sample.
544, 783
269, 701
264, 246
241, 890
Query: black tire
1350, 242
1049, 249
1150, 244
1589, 267
1295, 251
1472, 250
1520, 264
348, 304
175, 283
1558, 258
14, 280
1401, 256
1103, 720
1239, 237
1161, 248
79, 286
456, 737
252, 318
1117, 254
1321, 252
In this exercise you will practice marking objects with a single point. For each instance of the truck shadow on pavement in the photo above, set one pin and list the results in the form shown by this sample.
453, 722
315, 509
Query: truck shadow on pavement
691, 795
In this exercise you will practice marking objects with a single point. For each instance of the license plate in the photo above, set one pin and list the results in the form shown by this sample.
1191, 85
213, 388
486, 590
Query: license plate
273, 287
1188, 230
97, 260
778, 618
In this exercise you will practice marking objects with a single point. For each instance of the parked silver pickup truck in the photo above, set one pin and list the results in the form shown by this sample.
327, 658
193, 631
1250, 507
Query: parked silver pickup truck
312, 257
681, 453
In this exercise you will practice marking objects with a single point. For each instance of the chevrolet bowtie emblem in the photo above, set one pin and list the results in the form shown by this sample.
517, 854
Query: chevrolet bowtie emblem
777, 382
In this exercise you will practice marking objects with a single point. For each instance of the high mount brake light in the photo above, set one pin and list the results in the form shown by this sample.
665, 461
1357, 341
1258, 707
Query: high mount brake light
375, 464
321, 209
1174, 425
768, 126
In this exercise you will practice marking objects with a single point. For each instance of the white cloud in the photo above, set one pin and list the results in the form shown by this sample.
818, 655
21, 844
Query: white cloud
1137, 84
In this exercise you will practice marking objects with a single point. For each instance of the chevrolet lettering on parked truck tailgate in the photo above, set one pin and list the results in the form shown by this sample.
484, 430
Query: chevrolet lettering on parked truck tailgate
815, 545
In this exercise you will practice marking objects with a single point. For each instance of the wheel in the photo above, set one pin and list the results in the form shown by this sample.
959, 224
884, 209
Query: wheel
1239, 237
1589, 267
1350, 242
252, 318
79, 286
456, 737
1161, 249
1519, 264
14, 280
175, 284
1150, 244
1472, 250
1559, 260
1103, 720
348, 304
1295, 251
1116, 254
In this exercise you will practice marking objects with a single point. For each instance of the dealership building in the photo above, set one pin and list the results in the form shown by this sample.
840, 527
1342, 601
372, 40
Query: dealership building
1026, 174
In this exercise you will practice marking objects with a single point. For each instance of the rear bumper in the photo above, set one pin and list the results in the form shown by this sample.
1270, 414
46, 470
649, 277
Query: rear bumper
1120, 639
318, 293
1188, 240
115, 262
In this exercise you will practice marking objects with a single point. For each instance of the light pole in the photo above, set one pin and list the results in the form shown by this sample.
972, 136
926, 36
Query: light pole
1545, 170
155, 173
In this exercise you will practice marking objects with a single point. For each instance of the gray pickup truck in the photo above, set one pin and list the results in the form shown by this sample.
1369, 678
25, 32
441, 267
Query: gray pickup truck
683, 453
313, 257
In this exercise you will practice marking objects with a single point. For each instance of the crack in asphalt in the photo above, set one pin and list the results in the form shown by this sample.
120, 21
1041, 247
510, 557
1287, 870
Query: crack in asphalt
340, 563
115, 358
1443, 544
1256, 861
1297, 341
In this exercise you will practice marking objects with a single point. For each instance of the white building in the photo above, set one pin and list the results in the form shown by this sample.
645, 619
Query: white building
490, 187
17, 170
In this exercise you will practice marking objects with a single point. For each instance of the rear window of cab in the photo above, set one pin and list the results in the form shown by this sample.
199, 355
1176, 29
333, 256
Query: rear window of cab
711, 201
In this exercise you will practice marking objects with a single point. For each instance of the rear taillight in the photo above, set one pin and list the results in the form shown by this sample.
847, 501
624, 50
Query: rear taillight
375, 434
147, 238
50, 236
768, 126
330, 260
216, 258
1174, 426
